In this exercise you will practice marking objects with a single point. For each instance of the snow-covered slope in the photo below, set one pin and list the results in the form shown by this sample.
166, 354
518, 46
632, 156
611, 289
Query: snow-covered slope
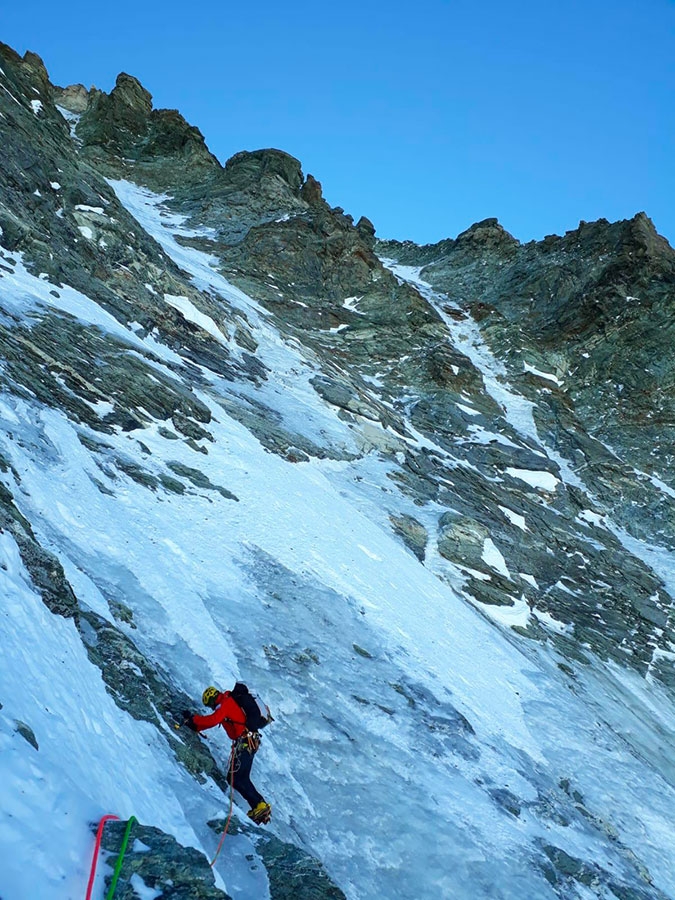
419, 750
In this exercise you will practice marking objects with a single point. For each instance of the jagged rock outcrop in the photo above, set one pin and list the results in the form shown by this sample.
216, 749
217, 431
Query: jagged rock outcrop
593, 311
74, 98
122, 129
265, 215
63, 218
155, 862
594, 306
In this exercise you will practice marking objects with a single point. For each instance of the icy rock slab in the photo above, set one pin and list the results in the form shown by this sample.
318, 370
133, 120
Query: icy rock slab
292, 873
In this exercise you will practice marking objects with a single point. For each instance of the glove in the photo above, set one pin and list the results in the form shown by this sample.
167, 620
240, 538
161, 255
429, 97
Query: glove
187, 720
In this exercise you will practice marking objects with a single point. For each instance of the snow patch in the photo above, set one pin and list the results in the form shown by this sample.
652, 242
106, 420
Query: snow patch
515, 518
530, 579
544, 481
592, 518
515, 616
546, 375
72, 119
468, 410
662, 486
190, 312
492, 557
141, 889
548, 621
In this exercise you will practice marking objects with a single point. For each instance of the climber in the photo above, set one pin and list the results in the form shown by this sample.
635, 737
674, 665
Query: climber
242, 715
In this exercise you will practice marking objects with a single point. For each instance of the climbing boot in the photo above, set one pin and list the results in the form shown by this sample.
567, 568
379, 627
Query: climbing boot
261, 814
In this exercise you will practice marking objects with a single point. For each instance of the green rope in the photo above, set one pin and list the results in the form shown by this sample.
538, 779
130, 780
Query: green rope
120, 859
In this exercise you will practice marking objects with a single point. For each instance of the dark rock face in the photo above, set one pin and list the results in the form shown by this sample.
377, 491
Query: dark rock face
413, 533
45, 570
27, 734
562, 870
157, 861
592, 311
295, 875
123, 126
594, 306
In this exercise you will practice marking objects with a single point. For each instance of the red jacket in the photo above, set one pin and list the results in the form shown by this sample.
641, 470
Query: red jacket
227, 713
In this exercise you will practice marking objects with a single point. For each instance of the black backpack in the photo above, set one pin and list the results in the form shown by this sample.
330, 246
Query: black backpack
257, 713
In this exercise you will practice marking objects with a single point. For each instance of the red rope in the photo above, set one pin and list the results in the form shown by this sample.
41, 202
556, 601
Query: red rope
97, 847
227, 824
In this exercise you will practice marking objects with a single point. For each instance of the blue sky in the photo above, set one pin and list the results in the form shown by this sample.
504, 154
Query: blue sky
423, 116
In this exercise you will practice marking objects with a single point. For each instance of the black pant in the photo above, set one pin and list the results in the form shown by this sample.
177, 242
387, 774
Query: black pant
240, 774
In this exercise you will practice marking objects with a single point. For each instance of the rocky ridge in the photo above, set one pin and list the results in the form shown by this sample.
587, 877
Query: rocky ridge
594, 310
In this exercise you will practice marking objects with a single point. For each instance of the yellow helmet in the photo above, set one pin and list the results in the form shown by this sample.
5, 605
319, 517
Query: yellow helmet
210, 696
